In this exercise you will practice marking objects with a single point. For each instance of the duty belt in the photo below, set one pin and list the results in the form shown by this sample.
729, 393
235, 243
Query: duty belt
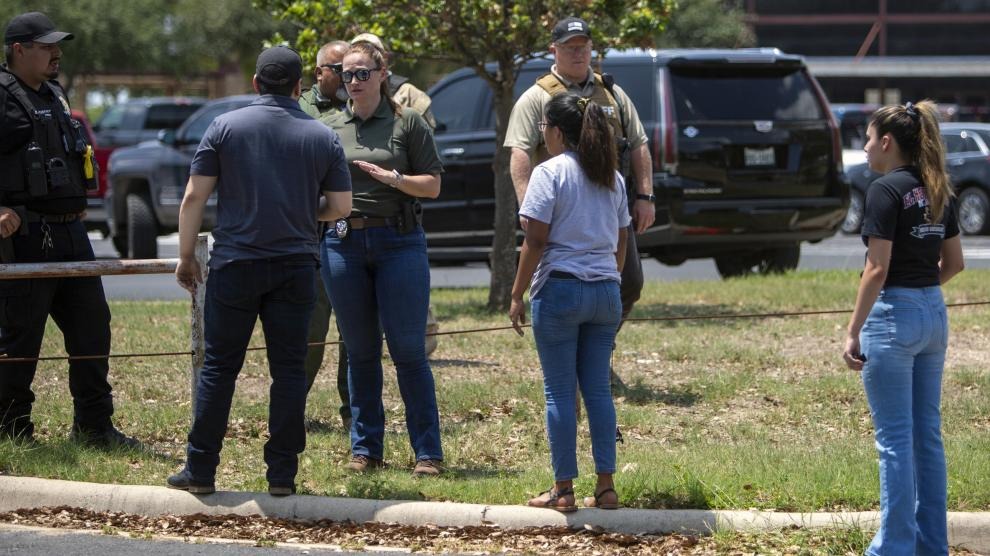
52, 218
362, 222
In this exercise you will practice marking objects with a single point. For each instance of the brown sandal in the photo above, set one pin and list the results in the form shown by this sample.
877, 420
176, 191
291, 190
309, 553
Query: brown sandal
596, 500
551, 501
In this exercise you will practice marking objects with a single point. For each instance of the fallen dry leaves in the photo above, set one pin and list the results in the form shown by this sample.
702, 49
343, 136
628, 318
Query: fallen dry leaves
478, 539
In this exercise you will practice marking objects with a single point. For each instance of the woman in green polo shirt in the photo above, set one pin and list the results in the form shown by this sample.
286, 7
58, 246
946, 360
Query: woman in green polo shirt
375, 264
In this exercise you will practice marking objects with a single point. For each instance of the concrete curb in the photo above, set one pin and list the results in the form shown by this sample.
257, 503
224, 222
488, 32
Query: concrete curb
966, 530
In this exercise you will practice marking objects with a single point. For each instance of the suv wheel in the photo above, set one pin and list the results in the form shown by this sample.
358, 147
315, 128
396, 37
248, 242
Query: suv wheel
973, 206
781, 259
769, 261
120, 244
736, 265
854, 216
142, 229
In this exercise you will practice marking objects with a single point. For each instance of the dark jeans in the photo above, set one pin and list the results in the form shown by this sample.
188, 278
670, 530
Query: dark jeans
319, 325
380, 279
78, 307
281, 292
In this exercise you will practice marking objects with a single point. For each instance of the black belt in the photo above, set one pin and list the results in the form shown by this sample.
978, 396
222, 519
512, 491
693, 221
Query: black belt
362, 222
52, 218
562, 274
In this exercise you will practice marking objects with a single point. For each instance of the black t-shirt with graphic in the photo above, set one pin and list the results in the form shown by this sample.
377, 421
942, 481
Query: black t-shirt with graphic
895, 210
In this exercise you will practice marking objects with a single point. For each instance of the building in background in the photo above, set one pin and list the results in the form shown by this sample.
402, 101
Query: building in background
887, 51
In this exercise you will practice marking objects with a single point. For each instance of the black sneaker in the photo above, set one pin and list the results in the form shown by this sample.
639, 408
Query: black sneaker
183, 481
108, 439
281, 490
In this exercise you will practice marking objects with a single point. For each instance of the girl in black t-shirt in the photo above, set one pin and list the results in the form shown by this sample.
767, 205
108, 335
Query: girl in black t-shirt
898, 332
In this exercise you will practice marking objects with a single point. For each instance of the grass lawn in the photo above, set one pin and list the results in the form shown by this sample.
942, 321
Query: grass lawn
722, 414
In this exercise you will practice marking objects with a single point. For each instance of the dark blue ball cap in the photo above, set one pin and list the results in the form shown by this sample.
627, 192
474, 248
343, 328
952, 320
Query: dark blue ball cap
33, 27
568, 28
279, 65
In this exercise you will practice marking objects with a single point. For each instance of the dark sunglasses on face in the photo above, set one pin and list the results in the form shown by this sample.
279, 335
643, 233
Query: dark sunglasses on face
360, 75
336, 68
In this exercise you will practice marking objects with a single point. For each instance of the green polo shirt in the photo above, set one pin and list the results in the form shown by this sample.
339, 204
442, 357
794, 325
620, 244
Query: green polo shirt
313, 104
403, 143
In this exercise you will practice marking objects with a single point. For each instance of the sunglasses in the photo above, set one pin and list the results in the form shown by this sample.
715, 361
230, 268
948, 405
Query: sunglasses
360, 75
336, 68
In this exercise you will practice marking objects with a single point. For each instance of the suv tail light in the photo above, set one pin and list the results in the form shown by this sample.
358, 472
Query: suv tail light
833, 126
665, 136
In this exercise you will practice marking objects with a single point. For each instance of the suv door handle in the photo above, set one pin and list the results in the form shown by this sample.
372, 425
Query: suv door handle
956, 161
452, 152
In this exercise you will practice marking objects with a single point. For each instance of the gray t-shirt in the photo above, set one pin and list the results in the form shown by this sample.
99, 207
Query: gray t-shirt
584, 218
272, 162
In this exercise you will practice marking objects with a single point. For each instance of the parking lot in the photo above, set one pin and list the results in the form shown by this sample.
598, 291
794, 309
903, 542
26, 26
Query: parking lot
841, 252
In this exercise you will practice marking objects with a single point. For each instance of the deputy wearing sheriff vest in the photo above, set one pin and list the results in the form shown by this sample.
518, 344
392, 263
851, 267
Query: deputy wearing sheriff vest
46, 166
571, 48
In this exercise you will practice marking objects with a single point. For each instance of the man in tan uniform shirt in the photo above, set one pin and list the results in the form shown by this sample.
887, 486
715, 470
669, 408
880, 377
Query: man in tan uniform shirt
571, 47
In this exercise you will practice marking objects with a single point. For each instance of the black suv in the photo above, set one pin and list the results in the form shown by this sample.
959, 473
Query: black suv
967, 159
747, 161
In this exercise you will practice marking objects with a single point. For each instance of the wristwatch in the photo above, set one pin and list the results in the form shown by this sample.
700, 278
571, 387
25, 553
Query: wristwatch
644, 197
398, 178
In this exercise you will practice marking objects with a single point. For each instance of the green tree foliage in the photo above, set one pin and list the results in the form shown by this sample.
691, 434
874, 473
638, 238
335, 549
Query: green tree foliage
470, 33
707, 24
177, 37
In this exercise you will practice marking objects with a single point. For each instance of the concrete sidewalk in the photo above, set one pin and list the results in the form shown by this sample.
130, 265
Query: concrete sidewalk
966, 530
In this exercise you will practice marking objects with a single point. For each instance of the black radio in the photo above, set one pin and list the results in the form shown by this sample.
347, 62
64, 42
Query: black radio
37, 175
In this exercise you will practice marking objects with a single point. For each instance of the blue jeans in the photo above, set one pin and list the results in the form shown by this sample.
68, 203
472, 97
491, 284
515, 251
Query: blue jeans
904, 340
281, 292
574, 323
379, 279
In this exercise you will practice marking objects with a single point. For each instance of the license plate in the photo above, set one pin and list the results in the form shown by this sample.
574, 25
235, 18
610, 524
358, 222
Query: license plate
759, 157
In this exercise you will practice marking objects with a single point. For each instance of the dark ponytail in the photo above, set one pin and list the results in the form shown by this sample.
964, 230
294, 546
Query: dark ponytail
586, 131
915, 128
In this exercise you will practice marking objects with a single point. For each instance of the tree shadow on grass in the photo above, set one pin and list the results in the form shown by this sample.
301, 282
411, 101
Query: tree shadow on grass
319, 426
441, 363
478, 472
689, 315
642, 394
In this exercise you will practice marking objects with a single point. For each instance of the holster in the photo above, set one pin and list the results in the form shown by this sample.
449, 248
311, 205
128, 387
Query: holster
410, 216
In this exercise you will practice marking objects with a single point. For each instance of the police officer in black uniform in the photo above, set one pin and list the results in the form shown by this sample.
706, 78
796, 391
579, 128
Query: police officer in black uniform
46, 166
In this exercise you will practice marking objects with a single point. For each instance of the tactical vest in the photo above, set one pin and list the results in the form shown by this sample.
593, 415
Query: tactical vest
601, 96
51, 164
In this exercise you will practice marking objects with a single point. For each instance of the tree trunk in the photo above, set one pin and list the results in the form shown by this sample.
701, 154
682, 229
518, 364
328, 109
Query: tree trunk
503, 257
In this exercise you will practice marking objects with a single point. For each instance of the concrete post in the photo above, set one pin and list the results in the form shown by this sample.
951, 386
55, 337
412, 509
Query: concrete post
197, 338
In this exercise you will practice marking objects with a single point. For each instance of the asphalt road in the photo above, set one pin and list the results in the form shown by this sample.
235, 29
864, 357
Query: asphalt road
840, 252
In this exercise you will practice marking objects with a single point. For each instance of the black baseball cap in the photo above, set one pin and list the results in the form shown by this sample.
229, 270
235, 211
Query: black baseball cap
279, 65
568, 28
33, 27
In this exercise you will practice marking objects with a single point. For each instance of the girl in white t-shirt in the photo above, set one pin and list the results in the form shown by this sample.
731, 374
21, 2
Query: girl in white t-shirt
577, 216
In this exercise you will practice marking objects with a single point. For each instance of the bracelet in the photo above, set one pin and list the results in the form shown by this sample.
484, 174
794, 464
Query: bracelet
398, 179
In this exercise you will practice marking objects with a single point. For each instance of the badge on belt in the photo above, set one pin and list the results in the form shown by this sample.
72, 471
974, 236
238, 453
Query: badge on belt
342, 227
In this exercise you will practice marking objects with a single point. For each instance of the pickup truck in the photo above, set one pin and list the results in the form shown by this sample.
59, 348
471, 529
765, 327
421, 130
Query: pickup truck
147, 182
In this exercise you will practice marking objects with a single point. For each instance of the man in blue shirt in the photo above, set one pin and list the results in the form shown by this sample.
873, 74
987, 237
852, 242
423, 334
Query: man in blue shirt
268, 162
